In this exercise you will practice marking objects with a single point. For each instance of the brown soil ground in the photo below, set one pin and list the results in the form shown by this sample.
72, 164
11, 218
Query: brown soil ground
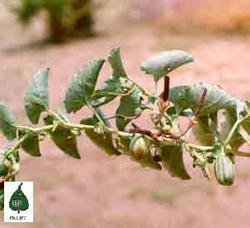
102, 191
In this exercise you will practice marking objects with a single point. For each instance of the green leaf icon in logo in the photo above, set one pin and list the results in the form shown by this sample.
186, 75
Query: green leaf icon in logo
18, 201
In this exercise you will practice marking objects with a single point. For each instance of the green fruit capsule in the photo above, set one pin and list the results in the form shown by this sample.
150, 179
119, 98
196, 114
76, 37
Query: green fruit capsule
224, 170
138, 147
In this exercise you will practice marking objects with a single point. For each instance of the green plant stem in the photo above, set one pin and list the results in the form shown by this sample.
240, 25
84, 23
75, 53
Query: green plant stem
96, 114
234, 128
201, 148
50, 127
55, 115
68, 125
15, 147
111, 130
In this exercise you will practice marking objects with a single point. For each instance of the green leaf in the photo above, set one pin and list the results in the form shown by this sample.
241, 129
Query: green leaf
246, 123
235, 111
122, 144
115, 61
172, 160
63, 138
129, 107
230, 118
189, 97
7, 122
31, 145
110, 89
161, 64
3, 170
37, 96
203, 130
103, 141
148, 161
82, 87
242, 111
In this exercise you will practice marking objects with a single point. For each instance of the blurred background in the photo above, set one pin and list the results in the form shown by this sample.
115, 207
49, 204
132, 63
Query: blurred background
101, 191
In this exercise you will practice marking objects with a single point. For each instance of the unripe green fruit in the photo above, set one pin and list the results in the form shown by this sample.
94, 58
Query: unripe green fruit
138, 147
224, 170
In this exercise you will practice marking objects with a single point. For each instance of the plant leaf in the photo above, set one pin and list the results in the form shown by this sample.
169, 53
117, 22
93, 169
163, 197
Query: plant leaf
189, 97
31, 145
82, 87
241, 109
130, 106
161, 64
172, 160
148, 161
37, 96
63, 138
230, 118
103, 141
246, 125
111, 88
115, 61
203, 130
7, 122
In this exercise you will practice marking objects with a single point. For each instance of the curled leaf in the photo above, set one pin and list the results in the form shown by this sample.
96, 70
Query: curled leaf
172, 160
161, 64
82, 86
63, 138
110, 89
129, 108
185, 97
203, 130
104, 140
37, 96
7, 122
31, 144
115, 61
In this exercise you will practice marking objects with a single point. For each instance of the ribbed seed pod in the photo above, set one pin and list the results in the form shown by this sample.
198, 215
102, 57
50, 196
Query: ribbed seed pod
138, 147
224, 170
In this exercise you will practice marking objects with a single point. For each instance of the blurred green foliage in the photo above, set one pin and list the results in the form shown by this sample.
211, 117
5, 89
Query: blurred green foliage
64, 18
